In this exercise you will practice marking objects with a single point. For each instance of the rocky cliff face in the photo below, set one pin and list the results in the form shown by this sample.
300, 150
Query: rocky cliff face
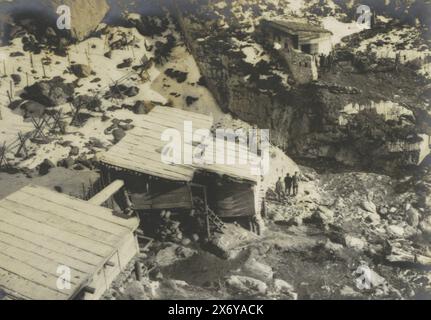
390, 119
38, 16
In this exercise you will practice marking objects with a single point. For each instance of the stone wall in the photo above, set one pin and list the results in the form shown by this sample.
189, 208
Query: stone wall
302, 66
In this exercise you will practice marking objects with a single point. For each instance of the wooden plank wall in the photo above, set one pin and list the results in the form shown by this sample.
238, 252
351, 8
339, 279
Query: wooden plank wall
177, 197
234, 200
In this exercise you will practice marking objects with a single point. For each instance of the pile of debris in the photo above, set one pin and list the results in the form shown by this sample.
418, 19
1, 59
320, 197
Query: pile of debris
169, 230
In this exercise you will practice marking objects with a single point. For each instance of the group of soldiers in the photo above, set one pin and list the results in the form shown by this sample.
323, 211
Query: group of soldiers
287, 187
325, 62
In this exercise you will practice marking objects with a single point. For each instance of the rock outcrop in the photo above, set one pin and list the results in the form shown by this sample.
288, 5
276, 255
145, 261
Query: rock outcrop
359, 118
39, 17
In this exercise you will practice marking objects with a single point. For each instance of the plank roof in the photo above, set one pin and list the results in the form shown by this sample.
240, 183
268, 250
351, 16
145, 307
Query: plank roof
296, 27
140, 150
41, 230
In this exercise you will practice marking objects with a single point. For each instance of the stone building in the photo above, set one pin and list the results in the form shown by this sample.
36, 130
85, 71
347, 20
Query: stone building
300, 44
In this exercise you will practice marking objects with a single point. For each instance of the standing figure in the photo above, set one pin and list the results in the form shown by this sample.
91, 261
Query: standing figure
279, 189
288, 184
295, 183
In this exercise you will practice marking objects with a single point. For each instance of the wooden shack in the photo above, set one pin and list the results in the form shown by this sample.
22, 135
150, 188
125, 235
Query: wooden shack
47, 237
229, 190
301, 36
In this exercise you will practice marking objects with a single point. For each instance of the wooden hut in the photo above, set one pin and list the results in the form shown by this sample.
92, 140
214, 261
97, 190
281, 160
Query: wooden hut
56, 247
228, 190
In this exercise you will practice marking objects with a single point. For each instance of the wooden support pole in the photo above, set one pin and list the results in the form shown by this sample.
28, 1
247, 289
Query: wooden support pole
89, 289
9, 96
138, 270
43, 68
84, 193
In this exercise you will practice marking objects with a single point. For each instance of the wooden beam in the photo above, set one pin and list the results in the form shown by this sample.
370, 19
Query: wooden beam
90, 290
110, 264
106, 193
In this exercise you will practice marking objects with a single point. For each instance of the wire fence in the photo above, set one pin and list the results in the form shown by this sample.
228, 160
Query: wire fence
48, 124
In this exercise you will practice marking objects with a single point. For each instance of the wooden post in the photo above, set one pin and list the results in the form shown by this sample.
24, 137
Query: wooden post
90, 290
107, 193
88, 57
90, 187
9, 96
11, 85
43, 68
138, 270
84, 196
207, 218
133, 50
207, 223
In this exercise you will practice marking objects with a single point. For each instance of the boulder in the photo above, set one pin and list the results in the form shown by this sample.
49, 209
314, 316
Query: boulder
373, 218
125, 64
86, 15
32, 109
45, 166
258, 270
190, 100
87, 102
383, 211
173, 253
131, 91
349, 292
118, 134
332, 247
413, 217
354, 243
66, 163
285, 288
81, 70
322, 216
16, 78
142, 107
135, 291
368, 206
247, 285
16, 54
425, 226
395, 231
50, 93
39, 18
121, 91
74, 151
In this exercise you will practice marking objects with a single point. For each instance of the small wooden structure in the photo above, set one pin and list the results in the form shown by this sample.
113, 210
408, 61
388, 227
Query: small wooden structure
301, 36
300, 45
47, 237
227, 189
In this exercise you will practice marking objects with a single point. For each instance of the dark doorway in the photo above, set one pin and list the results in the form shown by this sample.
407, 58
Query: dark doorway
306, 48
